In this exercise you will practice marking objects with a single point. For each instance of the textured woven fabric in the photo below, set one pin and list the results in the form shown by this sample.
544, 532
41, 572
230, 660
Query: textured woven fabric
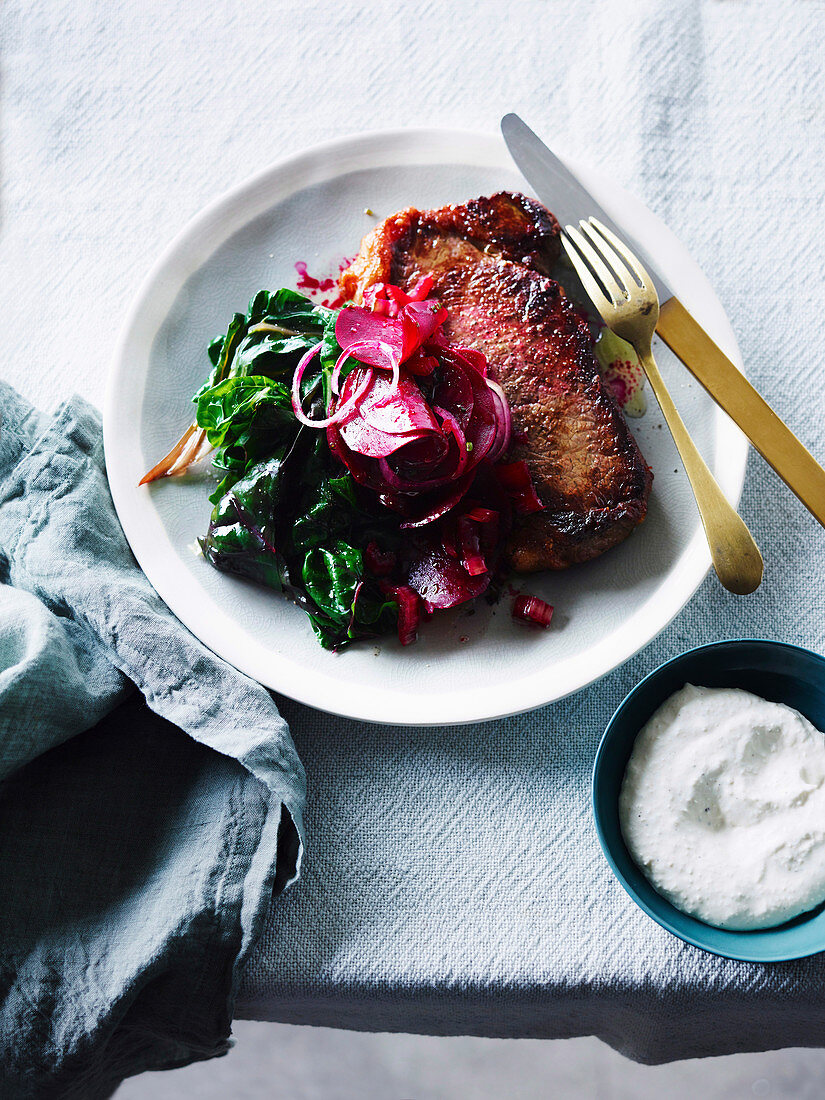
137, 863
452, 881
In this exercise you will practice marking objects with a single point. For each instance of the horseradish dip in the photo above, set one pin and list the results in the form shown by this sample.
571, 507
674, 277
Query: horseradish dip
723, 807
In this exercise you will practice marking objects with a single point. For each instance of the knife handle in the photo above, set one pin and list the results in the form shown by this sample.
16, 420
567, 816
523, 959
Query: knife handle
733, 392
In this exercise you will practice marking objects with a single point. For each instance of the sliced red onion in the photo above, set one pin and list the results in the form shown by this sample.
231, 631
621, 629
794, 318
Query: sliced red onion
445, 503
340, 413
395, 294
420, 289
504, 422
350, 406
455, 390
472, 358
421, 365
429, 462
458, 435
482, 430
397, 409
362, 439
386, 294
375, 349
530, 609
409, 610
514, 478
419, 320
362, 469
424, 456
373, 300
409, 486
402, 445
471, 557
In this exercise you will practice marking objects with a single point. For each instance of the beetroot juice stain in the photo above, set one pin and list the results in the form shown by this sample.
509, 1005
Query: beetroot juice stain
324, 291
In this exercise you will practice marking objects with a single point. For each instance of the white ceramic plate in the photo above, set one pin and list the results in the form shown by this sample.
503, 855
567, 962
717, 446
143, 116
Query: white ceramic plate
469, 664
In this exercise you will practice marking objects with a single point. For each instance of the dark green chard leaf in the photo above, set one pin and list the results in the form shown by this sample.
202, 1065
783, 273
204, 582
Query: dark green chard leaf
289, 309
348, 600
285, 514
222, 351
233, 406
245, 419
252, 534
267, 353
330, 505
293, 323
243, 533
328, 515
331, 578
330, 348
349, 605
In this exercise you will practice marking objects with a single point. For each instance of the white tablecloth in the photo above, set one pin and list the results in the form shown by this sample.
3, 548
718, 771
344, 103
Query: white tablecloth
452, 881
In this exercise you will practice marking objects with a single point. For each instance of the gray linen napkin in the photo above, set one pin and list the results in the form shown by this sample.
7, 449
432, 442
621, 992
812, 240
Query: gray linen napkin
136, 862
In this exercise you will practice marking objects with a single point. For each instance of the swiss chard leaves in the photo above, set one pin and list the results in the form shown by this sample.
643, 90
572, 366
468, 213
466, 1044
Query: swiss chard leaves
285, 514
245, 419
331, 517
348, 605
286, 526
290, 325
245, 406
231, 408
243, 536
328, 515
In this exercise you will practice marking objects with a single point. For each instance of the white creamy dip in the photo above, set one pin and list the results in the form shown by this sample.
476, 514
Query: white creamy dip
723, 807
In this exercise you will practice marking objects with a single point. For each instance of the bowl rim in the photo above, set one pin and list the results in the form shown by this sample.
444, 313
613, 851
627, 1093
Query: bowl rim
662, 918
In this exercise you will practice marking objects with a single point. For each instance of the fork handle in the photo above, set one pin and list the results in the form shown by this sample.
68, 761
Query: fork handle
733, 392
735, 555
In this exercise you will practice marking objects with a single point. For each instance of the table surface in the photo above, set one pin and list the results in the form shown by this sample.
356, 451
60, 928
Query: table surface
452, 880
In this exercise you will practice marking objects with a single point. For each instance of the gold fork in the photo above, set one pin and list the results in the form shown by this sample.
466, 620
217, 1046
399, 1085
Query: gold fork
630, 308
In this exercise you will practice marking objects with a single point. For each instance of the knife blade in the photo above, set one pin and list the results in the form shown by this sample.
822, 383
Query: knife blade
570, 201
561, 191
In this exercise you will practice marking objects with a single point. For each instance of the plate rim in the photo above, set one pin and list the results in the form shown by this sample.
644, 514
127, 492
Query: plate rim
452, 708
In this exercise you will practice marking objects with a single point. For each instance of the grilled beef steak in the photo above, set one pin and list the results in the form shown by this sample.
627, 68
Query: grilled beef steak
490, 259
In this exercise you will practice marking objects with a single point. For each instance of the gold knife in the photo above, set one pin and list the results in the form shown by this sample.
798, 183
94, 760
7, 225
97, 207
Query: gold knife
570, 201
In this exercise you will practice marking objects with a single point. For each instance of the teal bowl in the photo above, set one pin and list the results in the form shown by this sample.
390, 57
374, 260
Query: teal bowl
776, 671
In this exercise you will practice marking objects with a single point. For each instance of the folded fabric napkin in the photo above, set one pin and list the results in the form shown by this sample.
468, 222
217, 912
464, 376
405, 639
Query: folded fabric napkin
141, 835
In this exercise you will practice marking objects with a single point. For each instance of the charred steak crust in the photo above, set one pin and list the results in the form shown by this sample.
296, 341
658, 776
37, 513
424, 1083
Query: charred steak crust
490, 260
505, 224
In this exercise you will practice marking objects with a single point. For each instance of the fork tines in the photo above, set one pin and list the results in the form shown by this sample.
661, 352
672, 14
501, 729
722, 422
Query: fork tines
608, 270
